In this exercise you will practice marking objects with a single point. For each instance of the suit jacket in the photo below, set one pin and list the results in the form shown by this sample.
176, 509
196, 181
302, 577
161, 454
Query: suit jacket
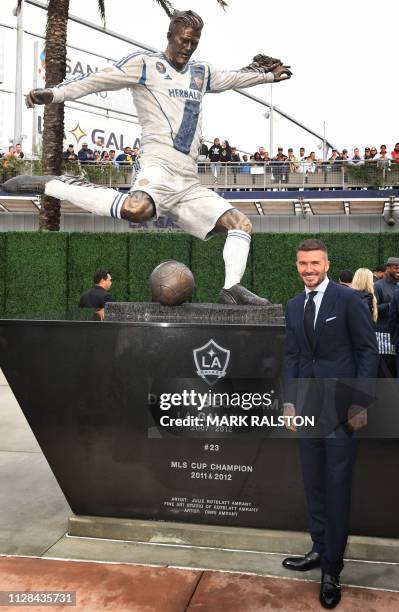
345, 342
394, 319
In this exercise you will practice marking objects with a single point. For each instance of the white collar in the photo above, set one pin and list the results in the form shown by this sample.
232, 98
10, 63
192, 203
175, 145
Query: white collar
319, 288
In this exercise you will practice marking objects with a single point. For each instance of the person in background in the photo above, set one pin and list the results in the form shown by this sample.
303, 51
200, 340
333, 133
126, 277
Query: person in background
97, 157
264, 155
280, 168
225, 153
98, 296
379, 272
292, 160
235, 161
302, 155
100, 144
235, 156
202, 150
395, 154
214, 157
363, 282
19, 154
70, 154
10, 153
384, 289
85, 154
105, 157
373, 154
245, 166
356, 159
112, 158
345, 277
393, 326
125, 158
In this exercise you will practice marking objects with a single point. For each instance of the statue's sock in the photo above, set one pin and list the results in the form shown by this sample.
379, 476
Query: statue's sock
235, 255
98, 200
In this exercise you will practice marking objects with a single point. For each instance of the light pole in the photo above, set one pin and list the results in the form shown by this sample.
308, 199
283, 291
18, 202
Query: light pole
271, 121
35, 113
18, 75
325, 147
269, 115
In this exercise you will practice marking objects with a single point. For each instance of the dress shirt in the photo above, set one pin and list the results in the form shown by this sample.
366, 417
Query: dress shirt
318, 297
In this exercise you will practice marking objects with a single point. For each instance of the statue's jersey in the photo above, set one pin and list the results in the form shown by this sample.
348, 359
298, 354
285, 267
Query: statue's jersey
168, 102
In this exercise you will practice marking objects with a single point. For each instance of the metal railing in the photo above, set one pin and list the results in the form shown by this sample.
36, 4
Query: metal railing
253, 175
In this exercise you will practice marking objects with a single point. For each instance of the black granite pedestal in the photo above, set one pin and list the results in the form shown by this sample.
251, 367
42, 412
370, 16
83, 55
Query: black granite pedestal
90, 392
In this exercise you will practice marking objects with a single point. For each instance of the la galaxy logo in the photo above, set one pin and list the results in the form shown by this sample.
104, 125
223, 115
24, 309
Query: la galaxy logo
160, 67
211, 361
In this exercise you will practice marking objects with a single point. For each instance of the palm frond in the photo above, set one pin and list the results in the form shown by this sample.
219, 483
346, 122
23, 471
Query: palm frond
223, 4
101, 8
167, 7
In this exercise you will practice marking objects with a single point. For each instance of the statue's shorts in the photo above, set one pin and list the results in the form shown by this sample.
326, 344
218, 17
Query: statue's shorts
171, 179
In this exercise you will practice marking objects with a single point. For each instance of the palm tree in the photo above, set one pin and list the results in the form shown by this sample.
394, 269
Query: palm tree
53, 123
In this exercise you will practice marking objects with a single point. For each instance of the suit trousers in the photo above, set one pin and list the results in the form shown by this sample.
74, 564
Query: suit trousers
327, 467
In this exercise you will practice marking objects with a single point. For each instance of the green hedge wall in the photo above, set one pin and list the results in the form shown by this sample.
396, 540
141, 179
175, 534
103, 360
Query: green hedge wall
147, 250
36, 275
273, 259
389, 247
2, 274
43, 275
87, 253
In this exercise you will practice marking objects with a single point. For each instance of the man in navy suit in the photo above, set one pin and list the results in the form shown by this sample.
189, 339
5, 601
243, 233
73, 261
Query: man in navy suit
394, 325
330, 335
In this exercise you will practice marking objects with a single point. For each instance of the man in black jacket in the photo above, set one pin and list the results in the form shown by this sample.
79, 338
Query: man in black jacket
394, 325
98, 296
384, 290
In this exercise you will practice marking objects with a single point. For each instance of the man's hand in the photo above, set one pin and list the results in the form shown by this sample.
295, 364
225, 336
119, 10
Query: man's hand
357, 417
289, 411
38, 96
281, 73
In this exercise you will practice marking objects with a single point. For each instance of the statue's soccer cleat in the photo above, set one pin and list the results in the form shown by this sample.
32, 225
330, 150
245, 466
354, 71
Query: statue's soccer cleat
27, 184
237, 294
37, 184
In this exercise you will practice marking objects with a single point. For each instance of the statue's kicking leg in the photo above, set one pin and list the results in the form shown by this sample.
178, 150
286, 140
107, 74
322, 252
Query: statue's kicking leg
136, 206
235, 254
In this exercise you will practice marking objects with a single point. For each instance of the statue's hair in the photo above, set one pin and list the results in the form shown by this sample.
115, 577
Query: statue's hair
188, 19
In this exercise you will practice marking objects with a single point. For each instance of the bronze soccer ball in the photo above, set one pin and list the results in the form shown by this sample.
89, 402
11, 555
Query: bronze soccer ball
171, 283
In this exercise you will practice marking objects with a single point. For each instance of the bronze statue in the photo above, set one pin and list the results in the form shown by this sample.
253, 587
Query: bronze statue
167, 89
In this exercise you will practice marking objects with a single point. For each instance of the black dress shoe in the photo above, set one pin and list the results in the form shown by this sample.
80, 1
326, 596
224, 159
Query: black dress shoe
330, 591
303, 564
27, 184
237, 294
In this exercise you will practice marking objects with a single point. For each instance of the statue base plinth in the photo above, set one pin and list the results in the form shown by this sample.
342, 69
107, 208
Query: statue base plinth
151, 312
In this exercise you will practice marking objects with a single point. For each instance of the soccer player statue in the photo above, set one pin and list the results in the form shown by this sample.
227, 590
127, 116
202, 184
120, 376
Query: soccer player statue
167, 91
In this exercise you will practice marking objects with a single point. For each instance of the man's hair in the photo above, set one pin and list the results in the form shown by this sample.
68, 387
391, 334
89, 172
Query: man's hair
187, 19
381, 268
100, 274
312, 244
346, 276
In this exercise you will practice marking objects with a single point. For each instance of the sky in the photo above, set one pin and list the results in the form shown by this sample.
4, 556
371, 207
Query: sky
343, 57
